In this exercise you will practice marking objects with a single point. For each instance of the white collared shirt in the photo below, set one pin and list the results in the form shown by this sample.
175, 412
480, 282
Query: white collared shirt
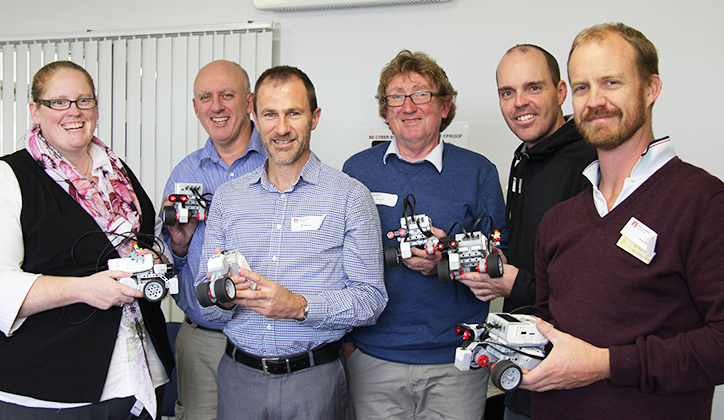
657, 154
434, 157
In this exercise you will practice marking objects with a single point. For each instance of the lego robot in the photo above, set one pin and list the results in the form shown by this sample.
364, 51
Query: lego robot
507, 343
152, 279
220, 288
415, 230
469, 251
188, 203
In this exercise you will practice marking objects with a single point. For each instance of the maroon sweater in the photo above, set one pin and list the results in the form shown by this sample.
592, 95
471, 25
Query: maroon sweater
663, 322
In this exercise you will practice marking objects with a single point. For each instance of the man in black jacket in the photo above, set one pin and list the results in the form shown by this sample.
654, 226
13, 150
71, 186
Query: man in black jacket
546, 170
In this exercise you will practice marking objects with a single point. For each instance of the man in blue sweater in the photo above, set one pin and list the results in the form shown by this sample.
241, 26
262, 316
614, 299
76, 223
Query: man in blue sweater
402, 367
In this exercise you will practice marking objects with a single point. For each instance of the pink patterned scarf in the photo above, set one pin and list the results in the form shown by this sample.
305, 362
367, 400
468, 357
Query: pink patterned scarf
111, 202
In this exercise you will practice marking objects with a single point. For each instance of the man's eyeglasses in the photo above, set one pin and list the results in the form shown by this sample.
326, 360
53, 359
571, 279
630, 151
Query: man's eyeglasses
417, 98
63, 104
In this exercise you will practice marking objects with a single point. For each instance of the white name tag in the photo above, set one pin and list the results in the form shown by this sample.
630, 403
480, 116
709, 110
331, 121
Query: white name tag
307, 223
137, 408
638, 240
384, 199
173, 285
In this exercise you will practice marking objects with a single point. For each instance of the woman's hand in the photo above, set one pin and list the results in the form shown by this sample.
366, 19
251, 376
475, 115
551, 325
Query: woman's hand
100, 290
103, 291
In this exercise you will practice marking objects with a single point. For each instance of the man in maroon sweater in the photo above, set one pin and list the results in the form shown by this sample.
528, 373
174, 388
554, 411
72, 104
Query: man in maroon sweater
630, 271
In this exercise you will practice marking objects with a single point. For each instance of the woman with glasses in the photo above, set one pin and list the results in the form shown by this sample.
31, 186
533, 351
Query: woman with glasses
75, 342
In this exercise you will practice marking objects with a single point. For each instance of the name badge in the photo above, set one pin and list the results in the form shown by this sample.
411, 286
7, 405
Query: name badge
137, 406
173, 285
384, 199
307, 223
638, 240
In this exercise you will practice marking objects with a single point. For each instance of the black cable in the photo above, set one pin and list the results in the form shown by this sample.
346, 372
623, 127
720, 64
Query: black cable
103, 254
534, 356
148, 240
505, 228
480, 219
203, 202
486, 332
449, 232
521, 308
411, 205
482, 336
207, 201
65, 317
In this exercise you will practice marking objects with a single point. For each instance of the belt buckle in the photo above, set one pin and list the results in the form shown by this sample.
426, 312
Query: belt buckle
265, 368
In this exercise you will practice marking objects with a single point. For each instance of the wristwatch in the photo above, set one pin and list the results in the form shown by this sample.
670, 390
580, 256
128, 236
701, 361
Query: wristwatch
305, 312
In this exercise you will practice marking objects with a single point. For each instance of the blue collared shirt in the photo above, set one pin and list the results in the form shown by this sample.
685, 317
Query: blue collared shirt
205, 166
335, 262
657, 154
434, 157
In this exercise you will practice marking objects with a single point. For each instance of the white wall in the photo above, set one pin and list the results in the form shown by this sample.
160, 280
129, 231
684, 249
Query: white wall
343, 51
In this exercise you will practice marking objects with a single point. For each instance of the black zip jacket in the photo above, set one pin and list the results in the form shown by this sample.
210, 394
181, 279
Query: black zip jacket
540, 177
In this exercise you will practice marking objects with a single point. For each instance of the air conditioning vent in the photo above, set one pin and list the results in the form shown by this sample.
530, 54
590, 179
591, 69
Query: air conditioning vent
300, 5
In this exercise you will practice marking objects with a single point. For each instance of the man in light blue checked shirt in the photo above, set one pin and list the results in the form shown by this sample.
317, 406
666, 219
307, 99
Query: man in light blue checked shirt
222, 102
311, 236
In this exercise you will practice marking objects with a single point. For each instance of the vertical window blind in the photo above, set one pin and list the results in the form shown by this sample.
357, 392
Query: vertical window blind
144, 80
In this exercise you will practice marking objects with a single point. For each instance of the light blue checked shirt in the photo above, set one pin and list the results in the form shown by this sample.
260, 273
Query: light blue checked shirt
206, 167
337, 267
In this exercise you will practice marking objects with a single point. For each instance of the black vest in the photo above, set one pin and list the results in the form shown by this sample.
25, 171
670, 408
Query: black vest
63, 354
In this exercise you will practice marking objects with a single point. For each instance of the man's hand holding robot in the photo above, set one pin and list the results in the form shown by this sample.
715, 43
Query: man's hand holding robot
514, 346
509, 344
418, 241
181, 214
469, 252
422, 260
247, 289
221, 288
187, 203
571, 363
485, 287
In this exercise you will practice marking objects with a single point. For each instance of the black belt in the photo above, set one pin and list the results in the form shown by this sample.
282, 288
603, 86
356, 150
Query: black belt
193, 324
285, 364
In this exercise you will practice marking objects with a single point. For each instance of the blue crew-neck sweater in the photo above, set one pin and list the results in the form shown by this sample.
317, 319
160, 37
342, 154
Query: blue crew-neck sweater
417, 327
